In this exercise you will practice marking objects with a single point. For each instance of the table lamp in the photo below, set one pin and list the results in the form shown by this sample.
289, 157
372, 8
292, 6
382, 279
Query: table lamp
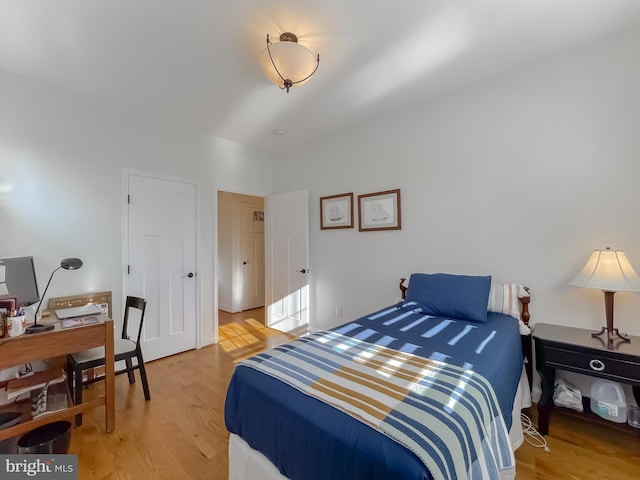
67, 264
610, 271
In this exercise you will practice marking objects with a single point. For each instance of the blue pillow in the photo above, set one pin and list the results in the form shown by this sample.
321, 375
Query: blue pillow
456, 296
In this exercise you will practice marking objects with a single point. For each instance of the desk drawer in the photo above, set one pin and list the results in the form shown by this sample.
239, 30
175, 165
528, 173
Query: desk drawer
593, 364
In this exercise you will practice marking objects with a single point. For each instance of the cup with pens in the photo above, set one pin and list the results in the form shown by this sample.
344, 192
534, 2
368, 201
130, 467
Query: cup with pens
16, 323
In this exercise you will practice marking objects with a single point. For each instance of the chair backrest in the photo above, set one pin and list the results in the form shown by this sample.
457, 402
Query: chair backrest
137, 303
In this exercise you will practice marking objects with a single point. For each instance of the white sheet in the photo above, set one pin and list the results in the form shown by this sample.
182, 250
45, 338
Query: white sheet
246, 463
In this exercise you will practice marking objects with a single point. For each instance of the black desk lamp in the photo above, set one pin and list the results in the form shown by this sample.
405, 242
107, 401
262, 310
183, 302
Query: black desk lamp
67, 264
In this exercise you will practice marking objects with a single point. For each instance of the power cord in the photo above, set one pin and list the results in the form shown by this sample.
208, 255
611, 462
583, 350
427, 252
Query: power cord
531, 435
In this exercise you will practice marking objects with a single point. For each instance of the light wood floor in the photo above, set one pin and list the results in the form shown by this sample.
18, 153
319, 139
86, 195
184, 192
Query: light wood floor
180, 433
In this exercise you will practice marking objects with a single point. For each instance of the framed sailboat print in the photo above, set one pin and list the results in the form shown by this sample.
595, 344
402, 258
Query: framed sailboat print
379, 211
336, 211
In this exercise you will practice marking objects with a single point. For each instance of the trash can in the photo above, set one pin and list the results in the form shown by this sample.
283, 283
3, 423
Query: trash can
51, 438
10, 445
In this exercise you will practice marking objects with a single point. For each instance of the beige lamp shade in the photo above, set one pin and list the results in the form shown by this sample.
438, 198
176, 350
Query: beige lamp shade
608, 270
287, 63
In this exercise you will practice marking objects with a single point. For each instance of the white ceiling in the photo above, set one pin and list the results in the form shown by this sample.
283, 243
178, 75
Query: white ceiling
195, 62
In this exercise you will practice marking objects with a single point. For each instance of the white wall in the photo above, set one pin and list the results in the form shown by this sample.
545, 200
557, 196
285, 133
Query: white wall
61, 164
520, 176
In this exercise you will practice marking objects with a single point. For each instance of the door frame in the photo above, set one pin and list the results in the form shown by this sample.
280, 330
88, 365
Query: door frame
126, 172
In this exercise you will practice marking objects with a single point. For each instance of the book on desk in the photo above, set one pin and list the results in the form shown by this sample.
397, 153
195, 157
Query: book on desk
73, 312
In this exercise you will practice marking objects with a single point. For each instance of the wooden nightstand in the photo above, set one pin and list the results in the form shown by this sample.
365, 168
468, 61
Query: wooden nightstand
575, 350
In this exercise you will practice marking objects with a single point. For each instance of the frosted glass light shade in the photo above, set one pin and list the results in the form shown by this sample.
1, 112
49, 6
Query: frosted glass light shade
293, 61
608, 270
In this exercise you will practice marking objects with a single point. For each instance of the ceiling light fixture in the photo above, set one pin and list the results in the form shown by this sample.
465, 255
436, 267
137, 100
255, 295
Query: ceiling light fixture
287, 63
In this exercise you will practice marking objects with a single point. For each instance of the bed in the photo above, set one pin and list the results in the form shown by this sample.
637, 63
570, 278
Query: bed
430, 387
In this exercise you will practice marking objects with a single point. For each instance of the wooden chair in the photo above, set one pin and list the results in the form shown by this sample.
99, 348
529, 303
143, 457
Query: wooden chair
124, 349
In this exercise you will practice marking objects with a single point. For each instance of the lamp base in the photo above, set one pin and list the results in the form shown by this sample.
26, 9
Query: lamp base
39, 328
611, 333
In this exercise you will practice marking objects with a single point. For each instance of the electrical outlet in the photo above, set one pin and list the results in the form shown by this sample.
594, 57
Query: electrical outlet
338, 310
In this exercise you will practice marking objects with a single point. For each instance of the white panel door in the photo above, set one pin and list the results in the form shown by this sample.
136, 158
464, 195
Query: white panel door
162, 261
287, 258
252, 257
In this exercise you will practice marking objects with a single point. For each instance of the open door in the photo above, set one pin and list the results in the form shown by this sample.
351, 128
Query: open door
287, 260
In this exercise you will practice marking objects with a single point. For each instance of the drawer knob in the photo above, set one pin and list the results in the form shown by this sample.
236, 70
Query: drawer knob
596, 365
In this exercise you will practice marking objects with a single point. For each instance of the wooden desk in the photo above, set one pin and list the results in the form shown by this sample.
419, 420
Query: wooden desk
60, 342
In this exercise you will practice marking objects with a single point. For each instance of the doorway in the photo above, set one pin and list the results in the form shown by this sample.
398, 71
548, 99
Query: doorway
277, 266
241, 263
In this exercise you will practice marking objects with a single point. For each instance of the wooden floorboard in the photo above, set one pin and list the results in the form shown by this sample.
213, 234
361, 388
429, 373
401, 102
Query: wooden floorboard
180, 432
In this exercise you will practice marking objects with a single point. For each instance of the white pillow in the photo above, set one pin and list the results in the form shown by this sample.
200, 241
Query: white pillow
503, 298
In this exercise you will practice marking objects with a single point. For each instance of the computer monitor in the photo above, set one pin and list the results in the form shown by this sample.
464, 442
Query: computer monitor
19, 280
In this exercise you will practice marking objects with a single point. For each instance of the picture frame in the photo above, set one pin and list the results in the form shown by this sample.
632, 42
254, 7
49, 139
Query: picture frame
379, 211
336, 211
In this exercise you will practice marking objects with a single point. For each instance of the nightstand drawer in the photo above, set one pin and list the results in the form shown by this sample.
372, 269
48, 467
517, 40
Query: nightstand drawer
593, 364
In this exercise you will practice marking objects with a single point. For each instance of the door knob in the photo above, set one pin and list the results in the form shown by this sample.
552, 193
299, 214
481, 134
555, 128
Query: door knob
303, 271
190, 275
244, 263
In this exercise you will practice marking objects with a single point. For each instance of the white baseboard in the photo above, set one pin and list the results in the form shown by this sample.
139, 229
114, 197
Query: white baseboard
227, 308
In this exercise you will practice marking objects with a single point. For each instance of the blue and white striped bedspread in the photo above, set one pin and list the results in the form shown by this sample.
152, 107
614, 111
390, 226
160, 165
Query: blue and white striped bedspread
448, 416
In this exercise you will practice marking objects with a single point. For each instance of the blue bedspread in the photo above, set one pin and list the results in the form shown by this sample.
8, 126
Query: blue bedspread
307, 439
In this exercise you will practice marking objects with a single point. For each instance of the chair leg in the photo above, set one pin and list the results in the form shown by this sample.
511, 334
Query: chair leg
77, 396
70, 376
143, 377
132, 379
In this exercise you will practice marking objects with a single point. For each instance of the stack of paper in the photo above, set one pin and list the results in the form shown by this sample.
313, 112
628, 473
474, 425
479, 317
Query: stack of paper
78, 321
47, 400
18, 386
